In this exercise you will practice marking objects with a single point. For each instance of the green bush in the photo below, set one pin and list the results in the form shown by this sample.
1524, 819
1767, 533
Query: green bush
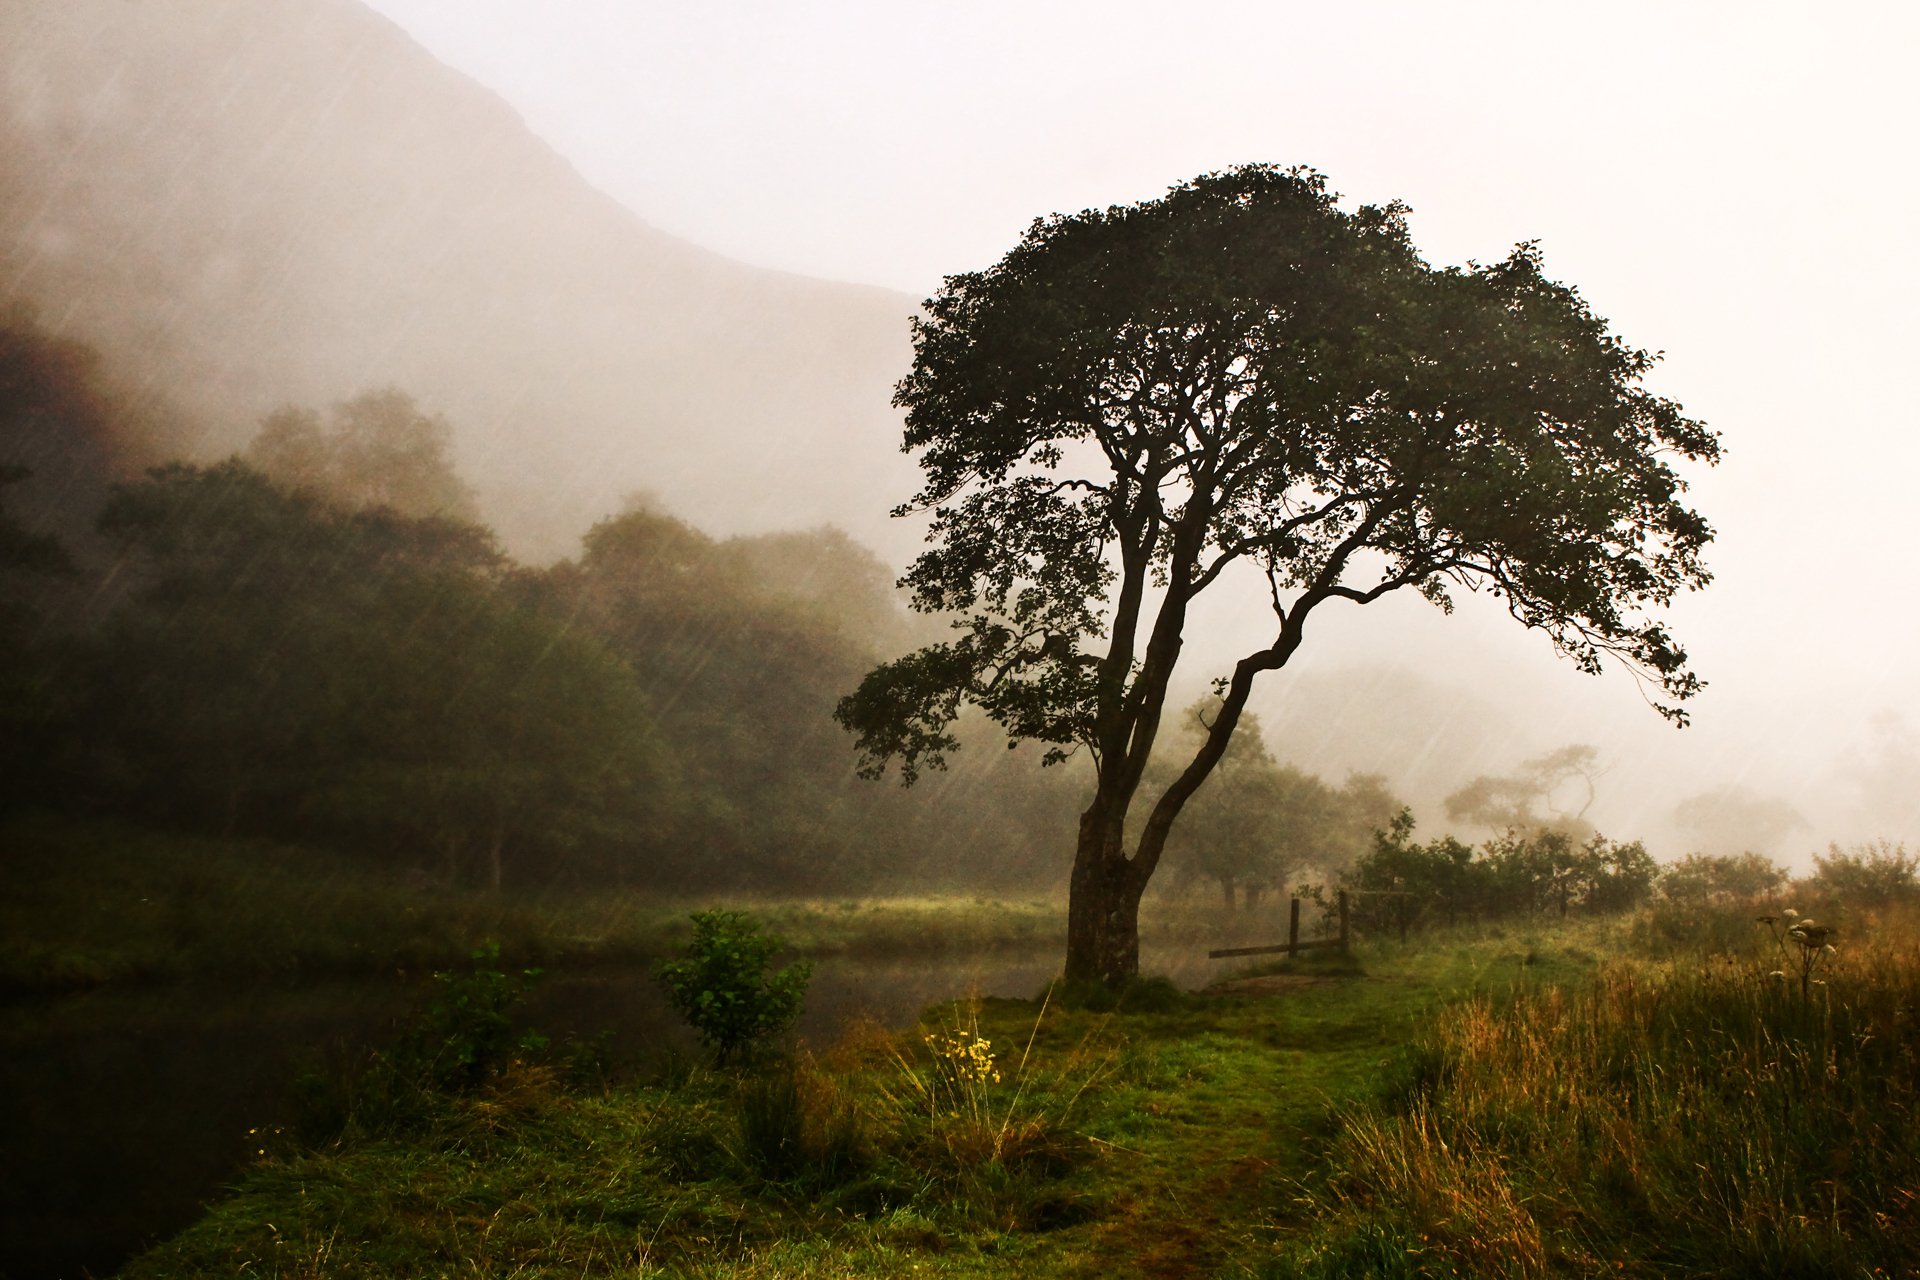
466, 1036
461, 1041
722, 987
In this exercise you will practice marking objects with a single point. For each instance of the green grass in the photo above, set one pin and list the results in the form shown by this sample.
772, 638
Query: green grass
1159, 1142
1623, 1097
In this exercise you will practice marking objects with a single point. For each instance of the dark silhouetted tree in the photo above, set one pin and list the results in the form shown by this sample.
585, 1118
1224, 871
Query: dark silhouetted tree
1242, 385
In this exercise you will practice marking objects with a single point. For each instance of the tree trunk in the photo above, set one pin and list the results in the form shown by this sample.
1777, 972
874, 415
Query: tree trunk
495, 841
1103, 906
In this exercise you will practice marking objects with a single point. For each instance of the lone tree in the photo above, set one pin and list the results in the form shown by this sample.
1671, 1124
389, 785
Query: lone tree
1240, 383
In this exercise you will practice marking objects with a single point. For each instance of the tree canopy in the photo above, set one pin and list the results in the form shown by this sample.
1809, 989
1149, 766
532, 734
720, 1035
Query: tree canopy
1141, 402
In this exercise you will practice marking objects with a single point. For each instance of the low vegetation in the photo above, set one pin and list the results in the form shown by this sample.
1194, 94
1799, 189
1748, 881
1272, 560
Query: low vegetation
1581, 1098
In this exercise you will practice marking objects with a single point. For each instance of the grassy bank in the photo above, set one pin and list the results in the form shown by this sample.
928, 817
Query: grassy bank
1707, 1115
1550, 1102
1000, 1138
98, 902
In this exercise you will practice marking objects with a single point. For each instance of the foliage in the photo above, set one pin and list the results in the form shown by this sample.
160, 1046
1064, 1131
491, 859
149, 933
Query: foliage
1869, 875
1241, 381
380, 450
1259, 823
466, 1036
1549, 792
722, 988
1404, 883
285, 665
741, 647
1701, 879
462, 1041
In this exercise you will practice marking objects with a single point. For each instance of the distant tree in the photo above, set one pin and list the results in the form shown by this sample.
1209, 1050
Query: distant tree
29, 702
1243, 384
1623, 874
1260, 823
1734, 819
287, 664
1249, 830
1403, 882
379, 449
1550, 792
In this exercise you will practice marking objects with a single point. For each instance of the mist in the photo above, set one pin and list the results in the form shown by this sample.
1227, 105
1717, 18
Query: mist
447, 449
323, 208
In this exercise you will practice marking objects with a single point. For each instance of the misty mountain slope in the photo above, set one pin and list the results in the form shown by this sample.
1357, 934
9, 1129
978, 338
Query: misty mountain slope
243, 205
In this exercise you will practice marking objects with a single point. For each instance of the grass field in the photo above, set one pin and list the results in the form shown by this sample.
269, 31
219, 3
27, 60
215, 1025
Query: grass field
1670, 1092
1169, 1138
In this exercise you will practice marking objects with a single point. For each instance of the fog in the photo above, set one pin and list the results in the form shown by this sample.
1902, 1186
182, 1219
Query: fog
674, 250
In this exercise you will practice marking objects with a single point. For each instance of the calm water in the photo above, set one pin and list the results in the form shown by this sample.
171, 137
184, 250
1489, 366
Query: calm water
122, 1112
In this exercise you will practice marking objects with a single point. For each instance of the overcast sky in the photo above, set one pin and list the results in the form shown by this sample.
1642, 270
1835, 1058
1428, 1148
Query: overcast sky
1730, 183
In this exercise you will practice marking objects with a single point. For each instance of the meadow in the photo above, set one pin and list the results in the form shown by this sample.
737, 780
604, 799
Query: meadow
1647, 1094
1680, 1089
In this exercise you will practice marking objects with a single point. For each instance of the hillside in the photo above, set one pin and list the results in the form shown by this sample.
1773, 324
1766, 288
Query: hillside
242, 206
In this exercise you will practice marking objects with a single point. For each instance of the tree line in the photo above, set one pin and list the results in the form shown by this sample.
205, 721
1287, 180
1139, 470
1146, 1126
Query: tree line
318, 640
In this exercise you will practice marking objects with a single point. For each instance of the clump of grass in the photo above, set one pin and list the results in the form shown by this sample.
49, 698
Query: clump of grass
988, 1121
1699, 1118
802, 1125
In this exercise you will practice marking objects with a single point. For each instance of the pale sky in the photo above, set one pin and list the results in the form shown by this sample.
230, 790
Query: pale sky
1731, 183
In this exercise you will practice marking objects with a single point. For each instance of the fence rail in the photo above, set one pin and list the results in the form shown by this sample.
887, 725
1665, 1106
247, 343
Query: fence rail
1293, 945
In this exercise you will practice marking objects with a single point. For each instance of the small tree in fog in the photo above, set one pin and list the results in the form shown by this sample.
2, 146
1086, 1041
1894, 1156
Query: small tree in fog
1241, 385
1550, 792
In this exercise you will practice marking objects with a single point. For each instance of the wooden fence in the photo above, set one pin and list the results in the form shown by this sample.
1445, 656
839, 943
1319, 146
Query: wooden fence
1293, 945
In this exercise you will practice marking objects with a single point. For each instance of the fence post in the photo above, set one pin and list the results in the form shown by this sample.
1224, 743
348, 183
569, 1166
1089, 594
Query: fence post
1293, 929
1343, 921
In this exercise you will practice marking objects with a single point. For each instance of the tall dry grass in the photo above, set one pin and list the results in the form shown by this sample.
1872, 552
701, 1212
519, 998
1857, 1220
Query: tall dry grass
1698, 1116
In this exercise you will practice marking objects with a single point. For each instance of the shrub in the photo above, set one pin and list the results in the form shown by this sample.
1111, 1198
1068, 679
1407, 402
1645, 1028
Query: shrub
466, 1036
464, 1039
1872, 875
798, 1124
722, 987
1701, 878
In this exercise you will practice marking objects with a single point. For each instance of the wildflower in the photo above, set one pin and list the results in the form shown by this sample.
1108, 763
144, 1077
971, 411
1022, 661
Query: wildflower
1790, 914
